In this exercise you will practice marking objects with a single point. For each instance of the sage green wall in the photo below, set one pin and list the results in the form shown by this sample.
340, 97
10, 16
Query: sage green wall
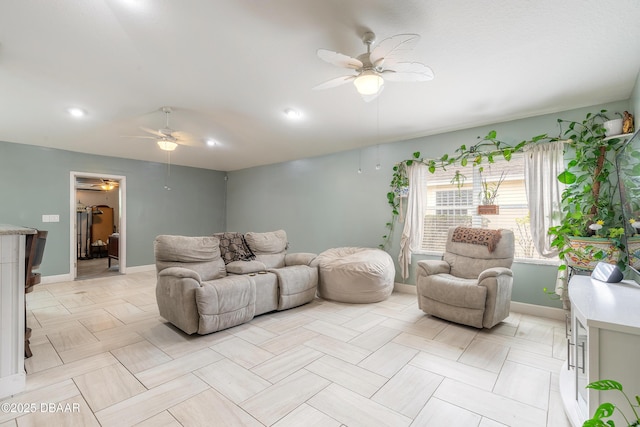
635, 102
323, 202
35, 181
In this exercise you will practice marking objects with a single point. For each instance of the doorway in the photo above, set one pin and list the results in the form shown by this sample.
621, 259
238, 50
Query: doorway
98, 215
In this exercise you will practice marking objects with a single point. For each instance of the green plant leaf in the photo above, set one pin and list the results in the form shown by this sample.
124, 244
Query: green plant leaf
463, 162
409, 162
567, 178
492, 135
596, 423
604, 410
605, 385
416, 155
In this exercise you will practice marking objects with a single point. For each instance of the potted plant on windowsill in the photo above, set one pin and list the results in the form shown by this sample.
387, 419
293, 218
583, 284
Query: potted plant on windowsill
592, 224
489, 194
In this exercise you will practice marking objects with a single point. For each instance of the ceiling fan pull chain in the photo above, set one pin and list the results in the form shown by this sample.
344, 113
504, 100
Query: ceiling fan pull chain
166, 186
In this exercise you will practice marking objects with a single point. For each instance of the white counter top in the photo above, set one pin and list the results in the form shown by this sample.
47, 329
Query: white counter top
614, 306
6, 229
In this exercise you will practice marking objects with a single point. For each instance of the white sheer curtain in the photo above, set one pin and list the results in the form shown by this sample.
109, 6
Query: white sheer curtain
543, 163
414, 220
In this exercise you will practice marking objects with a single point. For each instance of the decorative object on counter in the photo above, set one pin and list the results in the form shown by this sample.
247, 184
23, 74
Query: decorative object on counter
627, 122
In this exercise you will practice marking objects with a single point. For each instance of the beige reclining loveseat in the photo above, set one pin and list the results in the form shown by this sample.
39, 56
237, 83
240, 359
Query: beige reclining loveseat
197, 292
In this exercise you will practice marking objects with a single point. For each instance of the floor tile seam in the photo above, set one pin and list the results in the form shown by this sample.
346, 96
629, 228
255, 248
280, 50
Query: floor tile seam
322, 354
75, 347
525, 403
368, 399
136, 375
387, 379
148, 391
93, 412
518, 344
481, 368
76, 306
135, 343
480, 391
57, 354
495, 375
442, 378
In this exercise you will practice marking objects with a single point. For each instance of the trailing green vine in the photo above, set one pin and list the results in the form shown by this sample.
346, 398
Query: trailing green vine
485, 151
588, 203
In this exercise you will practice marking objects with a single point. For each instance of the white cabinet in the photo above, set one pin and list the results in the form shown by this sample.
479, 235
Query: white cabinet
604, 344
12, 270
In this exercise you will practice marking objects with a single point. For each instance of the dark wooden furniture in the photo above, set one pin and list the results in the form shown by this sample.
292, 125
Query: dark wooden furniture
113, 247
33, 258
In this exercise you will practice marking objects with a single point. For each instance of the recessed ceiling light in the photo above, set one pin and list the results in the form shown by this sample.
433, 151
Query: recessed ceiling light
76, 112
211, 142
292, 114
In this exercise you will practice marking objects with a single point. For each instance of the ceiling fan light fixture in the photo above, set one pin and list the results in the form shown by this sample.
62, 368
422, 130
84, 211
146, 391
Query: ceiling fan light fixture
292, 114
76, 112
167, 145
368, 82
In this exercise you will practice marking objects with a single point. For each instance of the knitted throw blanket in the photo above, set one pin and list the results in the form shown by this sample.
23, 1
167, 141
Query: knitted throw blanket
477, 236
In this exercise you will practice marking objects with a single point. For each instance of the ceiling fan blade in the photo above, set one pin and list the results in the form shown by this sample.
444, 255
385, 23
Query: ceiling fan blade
185, 138
339, 59
152, 131
334, 82
138, 136
409, 72
392, 48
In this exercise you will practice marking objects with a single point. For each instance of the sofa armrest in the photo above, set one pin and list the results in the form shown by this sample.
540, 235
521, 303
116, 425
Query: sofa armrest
499, 284
176, 297
245, 267
430, 267
494, 272
180, 273
302, 258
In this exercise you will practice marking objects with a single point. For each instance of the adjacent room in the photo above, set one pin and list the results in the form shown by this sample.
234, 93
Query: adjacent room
336, 213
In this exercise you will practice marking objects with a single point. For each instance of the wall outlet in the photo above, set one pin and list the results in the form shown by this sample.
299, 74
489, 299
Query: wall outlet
50, 218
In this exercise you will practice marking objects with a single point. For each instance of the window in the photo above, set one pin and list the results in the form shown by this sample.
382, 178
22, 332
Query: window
450, 206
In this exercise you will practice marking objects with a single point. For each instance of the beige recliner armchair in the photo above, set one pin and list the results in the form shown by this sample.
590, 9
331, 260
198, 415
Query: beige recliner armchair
473, 281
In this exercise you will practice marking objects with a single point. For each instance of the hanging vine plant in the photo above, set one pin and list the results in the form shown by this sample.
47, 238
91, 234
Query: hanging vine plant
485, 151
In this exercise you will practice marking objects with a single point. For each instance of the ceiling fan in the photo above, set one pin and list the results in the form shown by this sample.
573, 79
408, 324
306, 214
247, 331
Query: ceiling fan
168, 139
96, 184
375, 66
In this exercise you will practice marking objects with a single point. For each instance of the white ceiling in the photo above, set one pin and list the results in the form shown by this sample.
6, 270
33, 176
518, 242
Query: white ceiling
229, 69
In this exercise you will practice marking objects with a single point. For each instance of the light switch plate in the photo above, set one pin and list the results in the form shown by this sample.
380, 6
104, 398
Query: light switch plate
45, 218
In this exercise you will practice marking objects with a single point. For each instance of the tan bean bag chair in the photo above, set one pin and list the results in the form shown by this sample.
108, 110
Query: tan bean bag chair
355, 275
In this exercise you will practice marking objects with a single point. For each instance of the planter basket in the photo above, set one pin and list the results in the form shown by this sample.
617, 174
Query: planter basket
633, 246
585, 249
488, 209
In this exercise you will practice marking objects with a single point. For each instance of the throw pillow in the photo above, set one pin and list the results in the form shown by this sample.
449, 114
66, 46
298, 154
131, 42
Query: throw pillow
233, 247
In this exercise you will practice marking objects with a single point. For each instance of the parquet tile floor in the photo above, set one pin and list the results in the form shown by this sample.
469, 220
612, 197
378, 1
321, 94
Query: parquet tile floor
102, 352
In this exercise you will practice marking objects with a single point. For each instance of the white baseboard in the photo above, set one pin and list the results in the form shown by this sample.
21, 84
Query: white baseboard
538, 310
517, 307
56, 279
67, 277
140, 268
404, 288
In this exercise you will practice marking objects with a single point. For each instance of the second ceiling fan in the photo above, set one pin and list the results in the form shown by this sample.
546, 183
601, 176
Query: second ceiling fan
372, 68
168, 139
